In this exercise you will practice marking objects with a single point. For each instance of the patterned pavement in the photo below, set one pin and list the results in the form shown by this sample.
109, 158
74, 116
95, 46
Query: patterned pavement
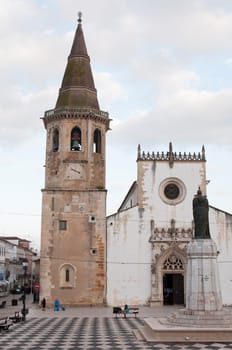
85, 333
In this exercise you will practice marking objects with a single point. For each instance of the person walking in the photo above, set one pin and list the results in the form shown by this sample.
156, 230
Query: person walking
43, 304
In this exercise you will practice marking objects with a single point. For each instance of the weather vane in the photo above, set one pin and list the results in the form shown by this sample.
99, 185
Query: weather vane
79, 17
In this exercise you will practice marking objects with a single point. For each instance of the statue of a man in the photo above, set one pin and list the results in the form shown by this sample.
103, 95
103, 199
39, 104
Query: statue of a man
201, 216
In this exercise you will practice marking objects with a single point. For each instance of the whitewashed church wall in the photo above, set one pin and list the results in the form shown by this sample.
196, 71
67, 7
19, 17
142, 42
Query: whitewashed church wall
152, 175
131, 201
128, 259
128, 232
221, 233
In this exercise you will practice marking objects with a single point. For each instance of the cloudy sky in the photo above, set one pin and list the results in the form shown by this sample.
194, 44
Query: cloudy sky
162, 68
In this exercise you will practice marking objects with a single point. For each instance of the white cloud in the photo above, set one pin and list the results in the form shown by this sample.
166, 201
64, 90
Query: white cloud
20, 114
155, 64
196, 27
109, 90
163, 72
16, 14
228, 61
185, 116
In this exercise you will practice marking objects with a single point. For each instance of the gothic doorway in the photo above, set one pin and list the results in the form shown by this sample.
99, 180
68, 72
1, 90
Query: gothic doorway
173, 289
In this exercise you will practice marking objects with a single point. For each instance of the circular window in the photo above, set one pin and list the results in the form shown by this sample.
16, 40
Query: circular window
172, 191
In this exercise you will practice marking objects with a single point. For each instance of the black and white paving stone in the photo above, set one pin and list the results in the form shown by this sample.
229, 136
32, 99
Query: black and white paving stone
85, 333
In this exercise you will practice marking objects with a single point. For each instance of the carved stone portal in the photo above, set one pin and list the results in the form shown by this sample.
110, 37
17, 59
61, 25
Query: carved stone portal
169, 256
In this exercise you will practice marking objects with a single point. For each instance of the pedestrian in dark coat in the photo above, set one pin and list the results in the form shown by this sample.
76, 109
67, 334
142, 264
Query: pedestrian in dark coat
43, 304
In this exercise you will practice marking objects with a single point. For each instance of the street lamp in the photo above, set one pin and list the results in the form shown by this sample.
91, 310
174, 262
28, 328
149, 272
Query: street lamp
25, 265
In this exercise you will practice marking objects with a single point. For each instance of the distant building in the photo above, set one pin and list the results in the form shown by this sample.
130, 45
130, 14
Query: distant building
15, 251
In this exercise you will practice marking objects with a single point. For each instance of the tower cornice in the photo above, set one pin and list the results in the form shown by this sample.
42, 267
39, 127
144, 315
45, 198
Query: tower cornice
76, 113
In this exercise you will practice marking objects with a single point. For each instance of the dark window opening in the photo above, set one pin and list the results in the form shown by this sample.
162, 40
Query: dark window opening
67, 276
97, 141
53, 203
63, 225
92, 218
172, 191
55, 140
93, 251
76, 139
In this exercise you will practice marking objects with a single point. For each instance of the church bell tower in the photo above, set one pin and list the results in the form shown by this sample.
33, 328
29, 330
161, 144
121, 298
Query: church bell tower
73, 233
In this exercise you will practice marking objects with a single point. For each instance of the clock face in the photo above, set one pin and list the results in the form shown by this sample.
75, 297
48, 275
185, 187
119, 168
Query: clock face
74, 171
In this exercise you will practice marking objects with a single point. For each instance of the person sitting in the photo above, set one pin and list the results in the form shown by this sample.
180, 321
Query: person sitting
56, 305
126, 310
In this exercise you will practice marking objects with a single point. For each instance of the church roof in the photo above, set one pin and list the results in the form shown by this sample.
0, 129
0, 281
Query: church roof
132, 189
14, 238
220, 210
77, 88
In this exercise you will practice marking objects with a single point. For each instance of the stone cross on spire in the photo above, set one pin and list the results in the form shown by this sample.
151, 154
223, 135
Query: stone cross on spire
79, 17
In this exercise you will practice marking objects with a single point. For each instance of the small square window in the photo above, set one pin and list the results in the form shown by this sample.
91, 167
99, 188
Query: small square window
62, 225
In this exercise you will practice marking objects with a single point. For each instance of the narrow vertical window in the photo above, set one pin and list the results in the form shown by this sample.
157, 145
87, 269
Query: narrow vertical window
67, 277
55, 140
76, 139
97, 141
53, 203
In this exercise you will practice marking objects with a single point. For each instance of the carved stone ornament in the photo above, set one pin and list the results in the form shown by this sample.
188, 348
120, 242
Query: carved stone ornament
173, 263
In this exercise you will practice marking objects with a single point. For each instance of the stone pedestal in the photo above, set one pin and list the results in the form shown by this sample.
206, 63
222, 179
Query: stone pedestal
204, 318
203, 292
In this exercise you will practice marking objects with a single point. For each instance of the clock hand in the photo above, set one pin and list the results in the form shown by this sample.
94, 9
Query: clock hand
76, 171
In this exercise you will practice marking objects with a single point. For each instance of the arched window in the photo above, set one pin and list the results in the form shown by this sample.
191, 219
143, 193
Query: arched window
76, 139
55, 140
67, 276
97, 141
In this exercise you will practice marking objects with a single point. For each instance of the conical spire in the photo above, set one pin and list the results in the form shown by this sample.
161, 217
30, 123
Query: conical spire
77, 89
79, 47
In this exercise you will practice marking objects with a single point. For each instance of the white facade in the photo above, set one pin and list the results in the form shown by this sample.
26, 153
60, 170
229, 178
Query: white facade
221, 233
147, 238
128, 258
